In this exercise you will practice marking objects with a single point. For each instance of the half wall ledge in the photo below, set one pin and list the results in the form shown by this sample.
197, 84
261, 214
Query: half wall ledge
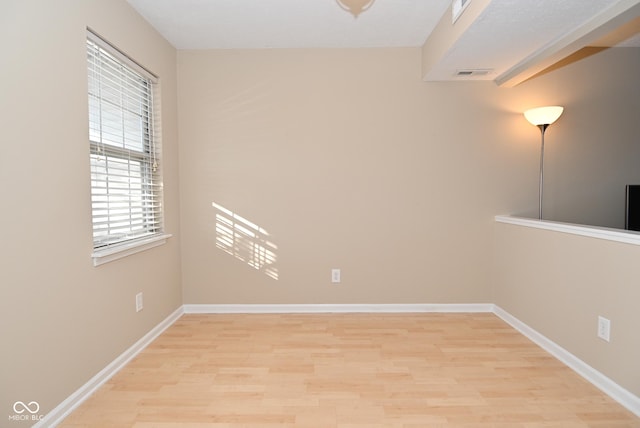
606, 233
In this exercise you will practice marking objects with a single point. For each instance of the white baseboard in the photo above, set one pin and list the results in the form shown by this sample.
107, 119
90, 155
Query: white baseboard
337, 308
602, 382
609, 387
62, 410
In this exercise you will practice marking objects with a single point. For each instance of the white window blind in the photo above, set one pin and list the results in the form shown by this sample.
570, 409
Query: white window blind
126, 185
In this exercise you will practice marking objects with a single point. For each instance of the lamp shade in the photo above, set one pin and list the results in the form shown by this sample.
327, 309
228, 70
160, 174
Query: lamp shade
543, 115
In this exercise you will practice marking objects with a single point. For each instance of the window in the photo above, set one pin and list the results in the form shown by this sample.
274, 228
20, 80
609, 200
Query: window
126, 184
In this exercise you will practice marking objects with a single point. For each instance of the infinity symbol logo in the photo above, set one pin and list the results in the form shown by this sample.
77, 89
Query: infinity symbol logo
19, 407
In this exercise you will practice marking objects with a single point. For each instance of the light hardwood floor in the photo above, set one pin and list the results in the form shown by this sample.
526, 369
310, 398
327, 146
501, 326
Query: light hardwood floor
347, 370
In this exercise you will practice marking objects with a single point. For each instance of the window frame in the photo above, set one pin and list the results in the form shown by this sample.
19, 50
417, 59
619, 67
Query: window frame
143, 202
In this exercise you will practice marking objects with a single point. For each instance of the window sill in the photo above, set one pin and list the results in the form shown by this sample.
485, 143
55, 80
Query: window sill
107, 255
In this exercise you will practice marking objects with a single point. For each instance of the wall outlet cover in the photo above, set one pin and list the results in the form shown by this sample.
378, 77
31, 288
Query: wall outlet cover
604, 328
139, 303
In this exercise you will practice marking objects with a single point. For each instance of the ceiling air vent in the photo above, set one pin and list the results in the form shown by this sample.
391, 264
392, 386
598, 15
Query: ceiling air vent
473, 72
457, 7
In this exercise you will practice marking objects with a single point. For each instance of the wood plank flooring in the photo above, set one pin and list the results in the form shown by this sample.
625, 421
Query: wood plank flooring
347, 371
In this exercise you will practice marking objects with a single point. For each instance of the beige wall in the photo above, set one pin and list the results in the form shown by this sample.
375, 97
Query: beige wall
350, 161
559, 284
64, 320
593, 150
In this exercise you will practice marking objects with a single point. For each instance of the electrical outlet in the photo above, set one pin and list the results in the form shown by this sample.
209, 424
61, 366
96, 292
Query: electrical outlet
139, 304
604, 328
335, 276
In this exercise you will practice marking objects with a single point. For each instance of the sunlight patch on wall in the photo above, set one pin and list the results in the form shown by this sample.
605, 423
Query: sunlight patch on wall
246, 241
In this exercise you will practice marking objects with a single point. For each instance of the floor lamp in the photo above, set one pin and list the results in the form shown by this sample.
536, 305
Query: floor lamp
542, 117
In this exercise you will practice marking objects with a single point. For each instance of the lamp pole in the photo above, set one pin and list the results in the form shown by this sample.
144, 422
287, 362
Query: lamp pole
541, 186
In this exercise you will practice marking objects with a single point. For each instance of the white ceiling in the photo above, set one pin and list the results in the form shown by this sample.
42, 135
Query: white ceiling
509, 31
505, 37
250, 24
